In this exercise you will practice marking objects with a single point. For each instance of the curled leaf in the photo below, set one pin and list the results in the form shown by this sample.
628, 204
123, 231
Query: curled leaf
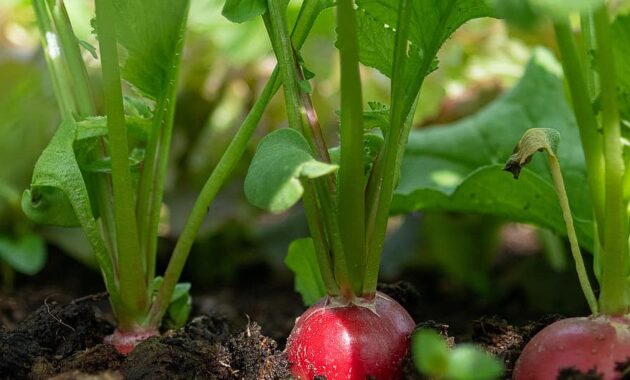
49, 205
57, 187
533, 140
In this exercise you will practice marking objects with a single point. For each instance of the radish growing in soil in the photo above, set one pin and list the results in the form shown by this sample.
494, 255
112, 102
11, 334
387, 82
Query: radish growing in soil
600, 342
353, 332
106, 173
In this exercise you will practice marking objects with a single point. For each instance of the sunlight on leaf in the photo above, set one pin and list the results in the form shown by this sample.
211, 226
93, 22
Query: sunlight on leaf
475, 149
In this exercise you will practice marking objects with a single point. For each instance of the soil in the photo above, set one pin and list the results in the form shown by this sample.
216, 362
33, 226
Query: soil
63, 341
239, 332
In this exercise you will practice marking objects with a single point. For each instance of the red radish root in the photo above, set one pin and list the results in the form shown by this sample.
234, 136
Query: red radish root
125, 342
350, 342
581, 343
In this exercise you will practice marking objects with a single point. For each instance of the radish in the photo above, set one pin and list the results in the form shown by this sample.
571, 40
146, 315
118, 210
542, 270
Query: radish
350, 342
582, 343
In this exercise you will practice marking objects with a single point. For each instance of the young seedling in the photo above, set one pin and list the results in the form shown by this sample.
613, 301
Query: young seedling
106, 173
353, 332
602, 341
434, 358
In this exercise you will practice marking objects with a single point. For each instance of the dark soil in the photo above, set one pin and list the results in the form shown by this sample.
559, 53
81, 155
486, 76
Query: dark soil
45, 334
64, 342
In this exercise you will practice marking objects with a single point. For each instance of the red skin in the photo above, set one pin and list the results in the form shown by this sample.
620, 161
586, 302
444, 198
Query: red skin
350, 342
125, 342
582, 343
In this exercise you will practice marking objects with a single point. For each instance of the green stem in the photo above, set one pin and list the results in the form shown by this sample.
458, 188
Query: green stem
614, 286
589, 47
383, 179
351, 197
133, 289
319, 241
78, 73
166, 131
52, 51
556, 175
275, 20
587, 123
147, 185
221, 173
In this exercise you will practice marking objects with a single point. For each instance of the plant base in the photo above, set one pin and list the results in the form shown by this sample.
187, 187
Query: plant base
126, 341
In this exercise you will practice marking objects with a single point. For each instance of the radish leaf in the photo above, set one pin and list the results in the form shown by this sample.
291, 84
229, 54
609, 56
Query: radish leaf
26, 254
430, 352
467, 362
432, 22
302, 260
243, 10
149, 32
58, 194
457, 167
282, 159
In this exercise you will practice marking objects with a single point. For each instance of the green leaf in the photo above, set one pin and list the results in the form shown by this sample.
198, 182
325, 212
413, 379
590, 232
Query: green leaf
89, 48
302, 260
243, 10
57, 186
520, 13
430, 353
149, 32
467, 362
180, 305
458, 167
377, 117
283, 158
432, 22
28, 119
26, 254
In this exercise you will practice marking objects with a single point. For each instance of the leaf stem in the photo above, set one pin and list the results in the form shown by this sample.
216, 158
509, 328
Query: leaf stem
275, 21
384, 174
133, 289
614, 287
558, 182
350, 194
52, 51
166, 131
78, 79
587, 123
